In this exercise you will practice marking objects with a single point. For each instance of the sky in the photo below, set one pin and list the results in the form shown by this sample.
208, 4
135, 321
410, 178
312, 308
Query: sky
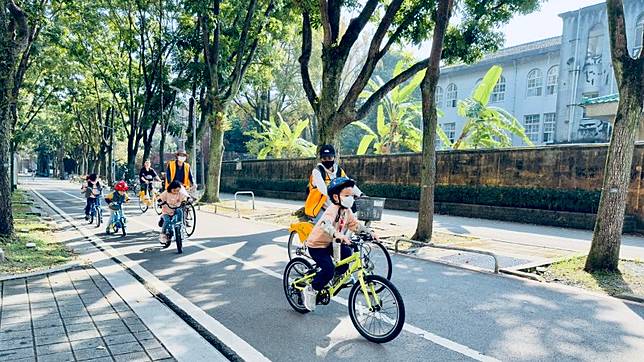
541, 24
544, 23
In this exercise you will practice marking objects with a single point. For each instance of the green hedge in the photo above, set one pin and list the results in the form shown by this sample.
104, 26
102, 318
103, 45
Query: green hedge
530, 198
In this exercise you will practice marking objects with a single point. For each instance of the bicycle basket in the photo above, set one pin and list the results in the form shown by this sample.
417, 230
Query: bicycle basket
369, 208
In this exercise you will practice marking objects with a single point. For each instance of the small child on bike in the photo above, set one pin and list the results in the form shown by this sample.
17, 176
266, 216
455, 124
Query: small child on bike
116, 198
334, 224
172, 198
92, 189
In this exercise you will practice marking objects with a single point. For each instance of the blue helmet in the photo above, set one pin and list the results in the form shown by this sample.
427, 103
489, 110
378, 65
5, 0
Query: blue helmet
337, 185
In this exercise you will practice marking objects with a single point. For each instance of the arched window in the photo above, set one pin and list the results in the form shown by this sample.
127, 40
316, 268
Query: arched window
452, 95
535, 83
498, 93
595, 42
439, 97
552, 78
639, 34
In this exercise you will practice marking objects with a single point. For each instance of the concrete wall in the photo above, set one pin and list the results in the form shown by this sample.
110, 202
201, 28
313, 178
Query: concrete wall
560, 167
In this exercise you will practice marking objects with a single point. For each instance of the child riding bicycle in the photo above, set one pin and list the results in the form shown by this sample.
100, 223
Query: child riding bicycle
92, 190
171, 200
116, 199
336, 221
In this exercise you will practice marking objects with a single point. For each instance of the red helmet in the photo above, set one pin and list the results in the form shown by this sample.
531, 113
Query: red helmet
121, 186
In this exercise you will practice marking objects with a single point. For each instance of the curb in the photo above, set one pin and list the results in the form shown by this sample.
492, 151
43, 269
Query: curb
64, 267
631, 297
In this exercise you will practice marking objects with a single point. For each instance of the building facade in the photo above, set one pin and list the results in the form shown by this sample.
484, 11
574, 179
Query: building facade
544, 82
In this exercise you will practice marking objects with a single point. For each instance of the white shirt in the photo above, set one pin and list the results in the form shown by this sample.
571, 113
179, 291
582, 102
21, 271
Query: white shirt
320, 184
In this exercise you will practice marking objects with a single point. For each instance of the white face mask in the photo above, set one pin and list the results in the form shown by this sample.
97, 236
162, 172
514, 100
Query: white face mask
347, 201
181, 158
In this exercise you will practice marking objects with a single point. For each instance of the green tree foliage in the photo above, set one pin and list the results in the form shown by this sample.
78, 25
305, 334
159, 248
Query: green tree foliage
486, 126
278, 140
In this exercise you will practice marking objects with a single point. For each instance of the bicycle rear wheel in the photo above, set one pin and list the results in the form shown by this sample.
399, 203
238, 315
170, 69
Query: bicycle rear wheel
189, 219
377, 260
295, 269
384, 320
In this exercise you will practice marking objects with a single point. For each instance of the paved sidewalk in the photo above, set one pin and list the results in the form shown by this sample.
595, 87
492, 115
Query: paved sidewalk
72, 315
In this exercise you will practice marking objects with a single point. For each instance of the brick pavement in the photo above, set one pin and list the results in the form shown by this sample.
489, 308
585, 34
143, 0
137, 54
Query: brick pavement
73, 315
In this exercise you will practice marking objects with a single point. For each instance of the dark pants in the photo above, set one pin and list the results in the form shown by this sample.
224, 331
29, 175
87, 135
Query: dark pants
323, 258
90, 203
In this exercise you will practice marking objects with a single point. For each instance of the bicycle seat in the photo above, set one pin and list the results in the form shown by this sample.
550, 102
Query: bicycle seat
302, 228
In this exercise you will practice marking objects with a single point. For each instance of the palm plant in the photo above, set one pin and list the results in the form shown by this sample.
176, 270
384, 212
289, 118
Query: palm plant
277, 139
486, 126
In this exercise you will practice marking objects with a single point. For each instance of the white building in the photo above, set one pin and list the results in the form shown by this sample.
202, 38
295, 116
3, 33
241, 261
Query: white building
544, 82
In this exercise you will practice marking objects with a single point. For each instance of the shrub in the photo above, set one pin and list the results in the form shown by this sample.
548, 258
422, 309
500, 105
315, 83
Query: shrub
575, 200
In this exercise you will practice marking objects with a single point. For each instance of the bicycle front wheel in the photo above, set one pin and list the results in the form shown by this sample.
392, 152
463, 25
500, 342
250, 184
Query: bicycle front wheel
190, 219
99, 217
383, 321
157, 207
295, 245
143, 205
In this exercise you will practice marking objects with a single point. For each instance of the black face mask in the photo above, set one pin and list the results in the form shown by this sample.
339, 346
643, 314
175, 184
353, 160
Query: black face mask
328, 164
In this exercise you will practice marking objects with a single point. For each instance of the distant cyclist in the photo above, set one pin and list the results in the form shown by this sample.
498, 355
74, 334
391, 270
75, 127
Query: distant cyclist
146, 176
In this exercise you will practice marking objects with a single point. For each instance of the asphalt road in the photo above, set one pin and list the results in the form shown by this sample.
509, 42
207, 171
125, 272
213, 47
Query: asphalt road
231, 269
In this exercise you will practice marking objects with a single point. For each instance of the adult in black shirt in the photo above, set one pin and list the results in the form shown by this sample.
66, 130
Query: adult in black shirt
147, 175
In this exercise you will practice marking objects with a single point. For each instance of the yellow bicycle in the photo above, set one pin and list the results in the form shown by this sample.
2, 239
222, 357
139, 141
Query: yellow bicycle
375, 306
147, 199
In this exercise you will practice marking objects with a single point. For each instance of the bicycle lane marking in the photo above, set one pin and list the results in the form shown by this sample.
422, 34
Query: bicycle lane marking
242, 348
429, 336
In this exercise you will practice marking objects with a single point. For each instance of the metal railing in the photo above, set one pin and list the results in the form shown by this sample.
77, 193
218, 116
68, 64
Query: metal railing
252, 194
432, 245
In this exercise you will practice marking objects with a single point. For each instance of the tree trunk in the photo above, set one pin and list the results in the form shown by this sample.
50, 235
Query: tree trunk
161, 152
328, 131
216, 153
424, 228
6, 216
629, 73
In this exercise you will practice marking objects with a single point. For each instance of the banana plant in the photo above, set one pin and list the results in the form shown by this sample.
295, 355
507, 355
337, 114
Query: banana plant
277, 139
486, 126
395, 118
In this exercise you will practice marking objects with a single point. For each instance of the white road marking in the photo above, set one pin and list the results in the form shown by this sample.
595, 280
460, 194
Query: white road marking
429, 336
226, 336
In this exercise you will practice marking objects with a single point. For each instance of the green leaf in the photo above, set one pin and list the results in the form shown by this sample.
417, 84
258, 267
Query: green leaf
300, 127
382, 128
364, 144
407, 90
263, 153
483, 91
363, 127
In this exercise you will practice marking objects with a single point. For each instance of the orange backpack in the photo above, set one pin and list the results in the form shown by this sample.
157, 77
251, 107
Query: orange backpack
314, 198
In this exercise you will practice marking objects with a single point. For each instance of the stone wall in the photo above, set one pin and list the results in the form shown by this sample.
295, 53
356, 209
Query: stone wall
554, 167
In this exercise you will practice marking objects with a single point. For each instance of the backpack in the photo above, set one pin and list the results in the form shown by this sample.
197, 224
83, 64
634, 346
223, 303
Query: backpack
314, 198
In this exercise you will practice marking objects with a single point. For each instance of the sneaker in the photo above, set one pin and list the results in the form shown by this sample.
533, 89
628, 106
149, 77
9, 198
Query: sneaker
163, 239
309, 294
86, 217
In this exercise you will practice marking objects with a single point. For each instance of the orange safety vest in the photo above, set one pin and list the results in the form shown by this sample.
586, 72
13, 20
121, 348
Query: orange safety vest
315, 199
172, 165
